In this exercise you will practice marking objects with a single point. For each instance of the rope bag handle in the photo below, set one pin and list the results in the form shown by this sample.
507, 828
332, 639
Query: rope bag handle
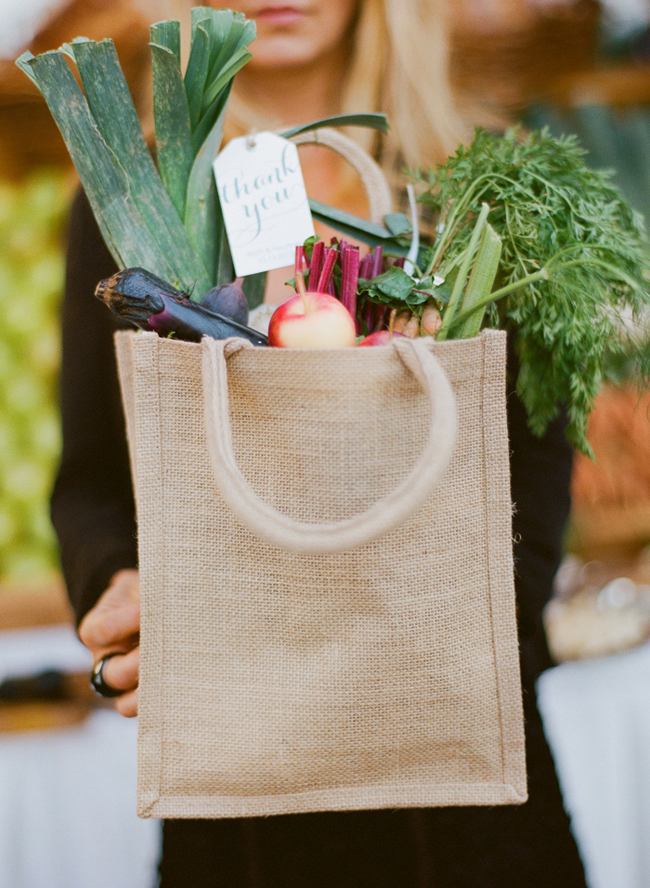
384, 515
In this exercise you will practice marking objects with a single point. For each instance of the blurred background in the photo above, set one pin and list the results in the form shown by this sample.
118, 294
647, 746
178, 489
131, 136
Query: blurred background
577, 66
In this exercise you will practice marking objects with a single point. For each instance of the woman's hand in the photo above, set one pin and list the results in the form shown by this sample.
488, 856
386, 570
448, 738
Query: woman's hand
113, 627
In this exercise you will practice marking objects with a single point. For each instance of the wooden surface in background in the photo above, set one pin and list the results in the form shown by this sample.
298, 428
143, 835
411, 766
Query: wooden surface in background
28, 135
612, 85
43, 603
611, 494
509, 53
27, 606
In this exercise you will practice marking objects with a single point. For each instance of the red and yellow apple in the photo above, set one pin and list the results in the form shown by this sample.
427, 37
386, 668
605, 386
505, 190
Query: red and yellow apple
312, 320
381, 337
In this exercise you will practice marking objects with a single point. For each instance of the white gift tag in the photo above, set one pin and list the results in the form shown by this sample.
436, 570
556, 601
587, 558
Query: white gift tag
263, 200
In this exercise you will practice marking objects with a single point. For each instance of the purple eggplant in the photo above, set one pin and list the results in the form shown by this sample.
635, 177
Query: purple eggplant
138, 296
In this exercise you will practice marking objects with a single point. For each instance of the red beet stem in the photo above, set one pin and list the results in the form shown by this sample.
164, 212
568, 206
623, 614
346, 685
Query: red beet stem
331, 255
369, 316
315, 266
377, 261
350, 279
380, 322
365, 267
299, 260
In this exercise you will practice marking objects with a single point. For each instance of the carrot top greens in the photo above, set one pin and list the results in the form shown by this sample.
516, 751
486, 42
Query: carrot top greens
574, 262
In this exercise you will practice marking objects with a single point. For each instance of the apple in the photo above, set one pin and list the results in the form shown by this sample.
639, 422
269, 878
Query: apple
382, 337
312, 320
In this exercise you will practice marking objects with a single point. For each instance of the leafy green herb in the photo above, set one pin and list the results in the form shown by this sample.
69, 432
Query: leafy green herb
574, 259
394, 287
394, 283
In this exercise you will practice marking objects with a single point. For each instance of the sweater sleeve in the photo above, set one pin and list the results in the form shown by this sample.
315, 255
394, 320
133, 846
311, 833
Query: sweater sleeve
92, 504
540, 471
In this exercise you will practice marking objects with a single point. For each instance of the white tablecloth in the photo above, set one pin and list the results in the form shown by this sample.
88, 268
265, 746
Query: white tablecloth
597, 718
67, 797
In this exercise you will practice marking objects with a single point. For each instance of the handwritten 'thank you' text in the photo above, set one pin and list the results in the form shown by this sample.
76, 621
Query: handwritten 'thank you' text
263, 199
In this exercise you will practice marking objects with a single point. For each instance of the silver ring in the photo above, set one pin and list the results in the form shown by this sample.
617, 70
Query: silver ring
98, 682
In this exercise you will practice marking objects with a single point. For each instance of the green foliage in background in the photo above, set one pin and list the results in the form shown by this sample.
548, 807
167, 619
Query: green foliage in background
31, 279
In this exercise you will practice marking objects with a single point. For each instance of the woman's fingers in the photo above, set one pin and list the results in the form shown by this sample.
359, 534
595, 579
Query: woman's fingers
121, 671
127, 704
113, 627
114, 623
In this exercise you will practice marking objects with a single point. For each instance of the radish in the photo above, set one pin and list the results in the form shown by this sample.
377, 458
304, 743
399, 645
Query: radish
381, 337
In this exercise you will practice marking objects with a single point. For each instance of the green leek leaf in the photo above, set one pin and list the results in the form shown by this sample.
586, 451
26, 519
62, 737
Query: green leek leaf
118, 122
200, 15
234, 64
221, 95
203, 219
398, 224
254, 287
375, 121
232, 33
168, 36
369, 232
197, 71
172, 122
223, 23
225, 270
103, 178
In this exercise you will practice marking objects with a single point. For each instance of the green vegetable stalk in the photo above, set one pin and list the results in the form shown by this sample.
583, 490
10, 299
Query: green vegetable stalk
165, 217
168, 221
527, 237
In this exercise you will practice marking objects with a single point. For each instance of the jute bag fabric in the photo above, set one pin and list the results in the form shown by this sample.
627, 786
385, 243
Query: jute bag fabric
328, 623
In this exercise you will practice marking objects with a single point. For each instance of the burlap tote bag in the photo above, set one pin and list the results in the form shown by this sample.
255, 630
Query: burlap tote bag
328, 617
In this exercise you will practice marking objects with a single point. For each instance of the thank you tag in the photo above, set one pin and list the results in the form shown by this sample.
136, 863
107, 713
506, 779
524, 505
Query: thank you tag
263, 200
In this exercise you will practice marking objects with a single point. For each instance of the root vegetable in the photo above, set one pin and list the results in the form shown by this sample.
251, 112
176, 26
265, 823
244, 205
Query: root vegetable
401, 321
430, 322
412, 328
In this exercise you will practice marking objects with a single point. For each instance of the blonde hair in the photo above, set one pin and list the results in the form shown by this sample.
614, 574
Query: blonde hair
399, 66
